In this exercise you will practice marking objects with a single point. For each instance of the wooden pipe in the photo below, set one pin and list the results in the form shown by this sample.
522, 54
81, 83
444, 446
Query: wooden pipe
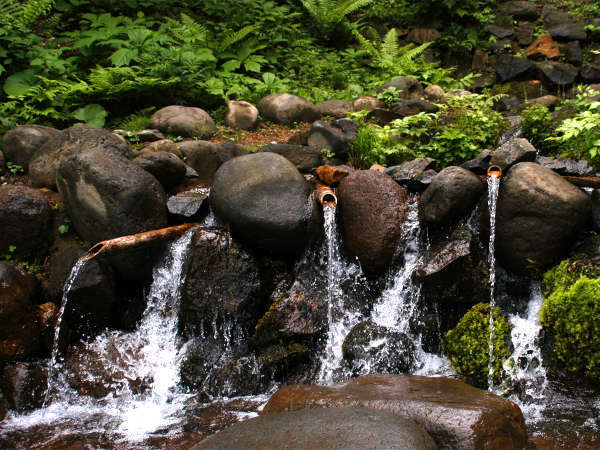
325, 195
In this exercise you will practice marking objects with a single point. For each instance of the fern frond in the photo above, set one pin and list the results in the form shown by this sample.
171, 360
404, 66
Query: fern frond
407, 53
367, 45
312, 6
389, 47
231, 38
348, 7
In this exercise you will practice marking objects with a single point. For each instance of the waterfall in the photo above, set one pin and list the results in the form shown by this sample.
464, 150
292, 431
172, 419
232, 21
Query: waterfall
493, 182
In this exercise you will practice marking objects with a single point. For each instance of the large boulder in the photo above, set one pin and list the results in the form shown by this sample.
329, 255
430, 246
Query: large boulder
568, 31
372, 208
509, 67
335, 428
454, 414
335, 136
107, 196
186, 121
43, 166
25, 221
556, 74
20, 143
23, 385
206, 157
303, 157
451, 193
241, 115
512, 152
166, 167
538, 217
266, 201
335, 108
287, 109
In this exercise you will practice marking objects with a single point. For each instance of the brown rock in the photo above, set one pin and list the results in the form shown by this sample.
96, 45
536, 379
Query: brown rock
367, 103
480, 60
544, 46
423, 35
377, 167
331, 175
241, 115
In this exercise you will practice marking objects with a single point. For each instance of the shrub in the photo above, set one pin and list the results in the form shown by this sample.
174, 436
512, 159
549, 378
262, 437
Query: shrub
538, 125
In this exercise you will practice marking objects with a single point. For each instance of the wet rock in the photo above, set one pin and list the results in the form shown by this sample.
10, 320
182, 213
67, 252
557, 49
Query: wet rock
411, 107
184, 121
23, 385
235, 375
302, 156
188, 206
500, 32
568, 31
205, 157
524, 33
336, 428
410, 174
455, 414
372, 208
149, 135
552, 16
409, 87
47, 314
25, 221
367, 103
479, 164
520, 10
266, 201
43, 166
380, 349
451, 193
590, 73
20, 143
107, 196
512, 152
335, 136
287, 109
543, 47
335, 108
509, 104
573, 53
564, 166
422, 35
167, 168
556, 74
241, 115
509, 67
434, 93
331, 175
539, 215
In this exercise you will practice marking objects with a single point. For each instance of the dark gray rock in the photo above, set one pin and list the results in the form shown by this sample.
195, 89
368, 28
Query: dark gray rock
552, 16
520, 10
149, 135
382, 116
335, 428
372, 208
166, 167
410, 174
564, 166
335, 108
184, 121
20, 143
556, 74
414, 106
509, 67
451, 193
500, 32
205, 157
266, 201
573, 53
590, 73
25, 221
409, 87
303, 157
480, 163
24, 385
512, 152
188, 206
595, 34
287, 109
336, 136
524, 34
539, 215
508, 104
568, 31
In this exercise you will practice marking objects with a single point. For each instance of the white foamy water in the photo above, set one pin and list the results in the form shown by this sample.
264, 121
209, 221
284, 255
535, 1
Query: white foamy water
493, 189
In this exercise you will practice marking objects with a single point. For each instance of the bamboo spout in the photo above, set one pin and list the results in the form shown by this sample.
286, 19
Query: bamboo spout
325, 195
136, 240
494, 171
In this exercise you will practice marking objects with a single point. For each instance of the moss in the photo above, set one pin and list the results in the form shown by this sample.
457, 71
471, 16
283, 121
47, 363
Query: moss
467, 345
266, 331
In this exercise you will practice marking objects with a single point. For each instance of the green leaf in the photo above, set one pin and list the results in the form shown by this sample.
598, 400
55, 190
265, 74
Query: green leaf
62, 229
123, 56
19, 83
269, 78
93, 114
252, 66
231, 65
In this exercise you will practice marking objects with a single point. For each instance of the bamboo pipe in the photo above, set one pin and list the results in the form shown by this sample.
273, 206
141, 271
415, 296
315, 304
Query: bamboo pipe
494, 171
325, 195
591, 182
135, 240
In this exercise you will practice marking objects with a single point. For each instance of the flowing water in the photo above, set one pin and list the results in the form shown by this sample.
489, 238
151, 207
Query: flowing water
493, 189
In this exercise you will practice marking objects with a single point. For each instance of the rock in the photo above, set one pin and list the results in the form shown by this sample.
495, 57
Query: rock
108, 196
595, 33
335, 428
512, 152
149, 135
47, 314
538, 217
162, 145
451, 193
367, 103
335, 136
524, 33
43, 166
455, 414
590, 73
556, 74
20, 143
188, 206
25, 221
184, 121
479, 164
545, 100
303, 157
503, 45
411, 107
552, 16
543, 47
167, 168
410, 173
564, 166
335, 108
509, 67
573, 53
422, 35
568, 31
380, 349
382, 116
287, 109
372, 208
500, 32
2, 163
409, 87
510, 104
23, 385
520, 10
479, 63
205, 157
241, 115
266, 201
331, 175
434, 93
596, 209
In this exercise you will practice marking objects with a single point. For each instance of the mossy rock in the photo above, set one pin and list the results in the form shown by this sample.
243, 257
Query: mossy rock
467, 345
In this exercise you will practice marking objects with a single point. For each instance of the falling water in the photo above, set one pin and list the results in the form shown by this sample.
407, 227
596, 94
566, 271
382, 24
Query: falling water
493, 188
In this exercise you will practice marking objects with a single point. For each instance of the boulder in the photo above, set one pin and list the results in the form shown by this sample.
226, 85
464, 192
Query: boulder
167, 168
539, 215
510, 67
434, 93
303, 157
241, 115
150, 135
107, 196
266, 201
367, 103
184, 121
565, 166
287, 109
568, 31
410, 174
479, 164
552, 16
335, 108
590, 73
413, 106
512, 152
556, 74
162, 145
409, 87
43, 166
524, 33
335, 428
382, 116
520, 10
546, 100
205, 157
25, 221
500, 32
372, 208
573, 53
455, 414
451, 193
188, 206
335, 136
23, 385
20, 143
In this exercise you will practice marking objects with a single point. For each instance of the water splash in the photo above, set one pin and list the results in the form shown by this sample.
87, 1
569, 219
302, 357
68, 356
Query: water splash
493, 189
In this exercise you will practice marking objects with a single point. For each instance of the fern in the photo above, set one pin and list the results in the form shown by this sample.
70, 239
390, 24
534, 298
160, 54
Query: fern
231, 37
14, 14
331, 13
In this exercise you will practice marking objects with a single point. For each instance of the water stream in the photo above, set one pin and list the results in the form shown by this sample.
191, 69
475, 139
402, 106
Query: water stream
493, 189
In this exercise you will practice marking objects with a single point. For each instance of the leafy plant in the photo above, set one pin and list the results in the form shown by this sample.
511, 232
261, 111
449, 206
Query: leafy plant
15, 169
330, 15
538, 125
389, 96
65, 227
